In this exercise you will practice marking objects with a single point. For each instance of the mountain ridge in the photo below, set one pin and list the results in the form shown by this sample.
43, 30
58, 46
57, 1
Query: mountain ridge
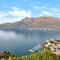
33, 23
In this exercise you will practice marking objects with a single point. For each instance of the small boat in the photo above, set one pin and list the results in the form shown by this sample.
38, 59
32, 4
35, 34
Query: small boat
36, 48
31, 50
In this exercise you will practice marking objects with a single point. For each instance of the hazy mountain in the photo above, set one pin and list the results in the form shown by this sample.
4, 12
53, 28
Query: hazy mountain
34, 23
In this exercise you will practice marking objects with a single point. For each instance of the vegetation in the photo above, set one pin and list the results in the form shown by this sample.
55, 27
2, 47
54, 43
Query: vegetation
42, 55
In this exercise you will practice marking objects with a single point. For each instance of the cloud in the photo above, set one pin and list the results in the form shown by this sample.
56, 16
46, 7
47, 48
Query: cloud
21, 13
48, 11
2, 14
39, 7
15, 14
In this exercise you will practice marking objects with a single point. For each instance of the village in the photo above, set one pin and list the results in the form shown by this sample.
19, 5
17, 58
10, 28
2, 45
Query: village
53, 45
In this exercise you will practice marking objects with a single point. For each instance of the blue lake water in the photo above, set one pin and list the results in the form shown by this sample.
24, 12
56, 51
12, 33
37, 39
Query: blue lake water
19, 42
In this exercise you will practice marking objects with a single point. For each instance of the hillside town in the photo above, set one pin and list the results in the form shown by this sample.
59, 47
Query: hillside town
53, 45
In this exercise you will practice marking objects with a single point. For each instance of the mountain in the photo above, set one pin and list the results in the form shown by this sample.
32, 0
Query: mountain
33, 23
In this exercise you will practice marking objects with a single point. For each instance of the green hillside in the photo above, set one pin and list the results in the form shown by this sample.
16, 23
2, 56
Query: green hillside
42, 55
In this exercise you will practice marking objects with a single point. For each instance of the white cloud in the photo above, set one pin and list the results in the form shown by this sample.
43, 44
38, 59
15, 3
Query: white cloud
15, 14
48, 11
21, 13
39, 7
36, 7
2, 14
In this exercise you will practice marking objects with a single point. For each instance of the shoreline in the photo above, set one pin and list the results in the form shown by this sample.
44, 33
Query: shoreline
30, 29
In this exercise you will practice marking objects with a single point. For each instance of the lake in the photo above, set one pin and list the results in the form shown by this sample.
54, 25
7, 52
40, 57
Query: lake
19, 42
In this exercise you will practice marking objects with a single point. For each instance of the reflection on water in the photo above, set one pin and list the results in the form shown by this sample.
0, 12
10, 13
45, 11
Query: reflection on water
19, 42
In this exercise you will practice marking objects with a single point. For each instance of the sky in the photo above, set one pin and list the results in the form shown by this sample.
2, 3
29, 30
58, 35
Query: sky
15, 10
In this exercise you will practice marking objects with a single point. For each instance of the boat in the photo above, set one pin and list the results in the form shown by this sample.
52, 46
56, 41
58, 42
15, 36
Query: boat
36, 48
31, 50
